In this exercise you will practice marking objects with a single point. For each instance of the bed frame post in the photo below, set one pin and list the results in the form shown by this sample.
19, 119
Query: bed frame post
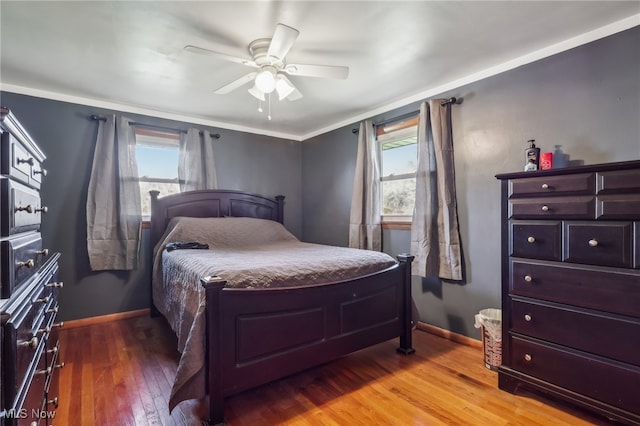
280, 201
213, 286
406, 345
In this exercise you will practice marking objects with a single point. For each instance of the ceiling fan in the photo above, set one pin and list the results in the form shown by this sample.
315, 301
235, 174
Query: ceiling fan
268, 57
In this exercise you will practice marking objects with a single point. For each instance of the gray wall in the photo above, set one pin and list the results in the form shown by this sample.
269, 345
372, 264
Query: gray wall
248, 162
586, 100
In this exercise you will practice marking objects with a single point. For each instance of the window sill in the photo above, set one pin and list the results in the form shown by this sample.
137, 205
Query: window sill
397, 225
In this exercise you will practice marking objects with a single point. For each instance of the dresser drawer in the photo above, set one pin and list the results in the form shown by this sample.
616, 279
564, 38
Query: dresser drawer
619, 181
619, 206
24, 341
25, 330
579, 184
614, 291
30, 401
553, 208
15, 159
536, 240
589, 331
604, 243
610, 382
20, 258
21, 209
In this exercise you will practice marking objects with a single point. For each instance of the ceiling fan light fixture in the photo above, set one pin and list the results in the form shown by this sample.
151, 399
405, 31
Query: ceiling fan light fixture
283, 87
256, 92
266, 79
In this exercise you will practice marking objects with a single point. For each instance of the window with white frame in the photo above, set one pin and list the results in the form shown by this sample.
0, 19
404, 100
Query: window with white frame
157, 157
397, 143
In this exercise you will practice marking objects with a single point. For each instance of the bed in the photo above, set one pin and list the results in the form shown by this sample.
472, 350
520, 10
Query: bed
248, 318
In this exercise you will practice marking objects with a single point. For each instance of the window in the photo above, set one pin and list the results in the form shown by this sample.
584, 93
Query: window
157, 157
399, 157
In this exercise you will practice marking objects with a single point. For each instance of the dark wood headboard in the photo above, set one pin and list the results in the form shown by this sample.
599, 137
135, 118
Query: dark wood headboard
211, 203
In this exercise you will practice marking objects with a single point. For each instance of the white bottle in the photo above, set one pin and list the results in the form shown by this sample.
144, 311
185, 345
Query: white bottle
530, 166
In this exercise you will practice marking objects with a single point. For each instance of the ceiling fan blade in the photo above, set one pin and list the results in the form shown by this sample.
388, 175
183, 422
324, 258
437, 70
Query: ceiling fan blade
282, 40
222, 56
322, 71
236, 83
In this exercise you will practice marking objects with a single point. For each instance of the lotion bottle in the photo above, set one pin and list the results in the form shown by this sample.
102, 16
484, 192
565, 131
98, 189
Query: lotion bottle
532, 153
530, 166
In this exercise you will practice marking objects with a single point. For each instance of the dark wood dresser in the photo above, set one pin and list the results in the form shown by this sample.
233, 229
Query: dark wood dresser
29, 349
571, 286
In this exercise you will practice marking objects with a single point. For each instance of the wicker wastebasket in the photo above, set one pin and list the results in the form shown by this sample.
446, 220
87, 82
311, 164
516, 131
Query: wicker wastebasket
490, 322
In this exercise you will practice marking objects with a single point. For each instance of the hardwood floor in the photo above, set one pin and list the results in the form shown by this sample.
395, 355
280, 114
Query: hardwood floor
120, 373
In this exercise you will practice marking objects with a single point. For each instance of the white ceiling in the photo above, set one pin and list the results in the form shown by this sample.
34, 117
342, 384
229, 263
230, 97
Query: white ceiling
129, 56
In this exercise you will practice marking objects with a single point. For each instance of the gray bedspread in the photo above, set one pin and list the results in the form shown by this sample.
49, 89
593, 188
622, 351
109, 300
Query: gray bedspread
247, 253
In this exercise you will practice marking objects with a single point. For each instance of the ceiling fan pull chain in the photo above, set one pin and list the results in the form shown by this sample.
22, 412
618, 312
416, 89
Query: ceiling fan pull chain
269, 106
259, 105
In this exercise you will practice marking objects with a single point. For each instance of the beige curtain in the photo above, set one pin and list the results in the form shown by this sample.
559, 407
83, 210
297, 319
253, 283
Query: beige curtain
196, 164
364, 227
113, 198
435, 238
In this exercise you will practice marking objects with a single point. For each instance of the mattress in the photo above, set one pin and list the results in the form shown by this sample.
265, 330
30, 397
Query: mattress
247, 253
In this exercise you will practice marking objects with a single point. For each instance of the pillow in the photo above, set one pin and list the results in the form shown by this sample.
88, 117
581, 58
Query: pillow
226, 232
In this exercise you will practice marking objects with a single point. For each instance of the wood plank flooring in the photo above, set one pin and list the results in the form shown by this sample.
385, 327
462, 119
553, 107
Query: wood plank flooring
120, 373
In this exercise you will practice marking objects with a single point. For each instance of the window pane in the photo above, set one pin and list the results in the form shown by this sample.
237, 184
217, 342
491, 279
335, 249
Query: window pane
398, 158
398, 197
157, 162
165, 188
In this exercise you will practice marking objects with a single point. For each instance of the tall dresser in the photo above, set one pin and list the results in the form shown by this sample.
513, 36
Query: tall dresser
29, 349
571, 286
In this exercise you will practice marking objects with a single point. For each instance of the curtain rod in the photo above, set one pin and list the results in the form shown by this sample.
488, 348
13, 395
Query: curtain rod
151, 126
450, 101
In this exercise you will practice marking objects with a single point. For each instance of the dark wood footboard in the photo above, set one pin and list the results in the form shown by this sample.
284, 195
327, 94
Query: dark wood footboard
255, 336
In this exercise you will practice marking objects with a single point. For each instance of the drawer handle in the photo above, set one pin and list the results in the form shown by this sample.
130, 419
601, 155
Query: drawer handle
527, 317
545, 186
30, 161
46, 371
528, 357
32, 343
30, 264
49, 328
43, 209
43, 252
61, 365
531, 239
44, 300
545, 208
593, 242
53, 402
42, 172
53, 351
53, 310
55, 285
27, 209
528, 278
